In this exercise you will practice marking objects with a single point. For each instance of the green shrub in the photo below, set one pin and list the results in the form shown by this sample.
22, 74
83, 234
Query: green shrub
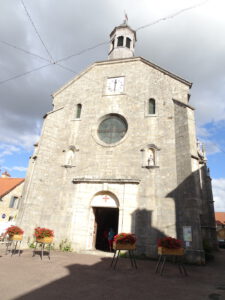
31, 244
65, 246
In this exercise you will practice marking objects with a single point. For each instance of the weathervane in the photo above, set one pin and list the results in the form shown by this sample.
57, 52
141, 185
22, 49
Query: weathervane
125, 17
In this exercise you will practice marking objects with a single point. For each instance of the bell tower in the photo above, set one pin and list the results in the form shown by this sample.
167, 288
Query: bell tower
122, 42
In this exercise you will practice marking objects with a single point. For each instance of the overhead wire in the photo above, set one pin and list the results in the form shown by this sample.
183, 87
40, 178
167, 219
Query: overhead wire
23, 74
172, 15
51, 62
25, 51
46, 49
82, 51
139, 28
18, 48
66, 68
76, 72
86, 49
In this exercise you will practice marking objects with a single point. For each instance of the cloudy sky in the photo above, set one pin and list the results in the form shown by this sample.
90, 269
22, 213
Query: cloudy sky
45, 43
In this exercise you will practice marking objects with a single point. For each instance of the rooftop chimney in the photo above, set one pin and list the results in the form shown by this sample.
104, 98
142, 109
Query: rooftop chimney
6, 175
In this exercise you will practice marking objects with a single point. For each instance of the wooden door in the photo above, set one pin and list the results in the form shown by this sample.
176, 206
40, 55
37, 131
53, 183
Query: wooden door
95, 234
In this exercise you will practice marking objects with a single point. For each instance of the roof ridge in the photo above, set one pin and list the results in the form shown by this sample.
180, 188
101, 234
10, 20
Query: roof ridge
8, 184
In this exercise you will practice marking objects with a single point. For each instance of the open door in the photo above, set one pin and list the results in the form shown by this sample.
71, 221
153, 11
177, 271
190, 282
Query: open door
105, 218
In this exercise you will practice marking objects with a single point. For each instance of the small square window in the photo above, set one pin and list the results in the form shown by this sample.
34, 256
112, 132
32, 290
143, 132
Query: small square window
13, 202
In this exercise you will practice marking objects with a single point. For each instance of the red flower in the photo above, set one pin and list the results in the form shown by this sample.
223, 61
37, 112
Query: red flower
12, 230
124, 238
40, 233
169, 242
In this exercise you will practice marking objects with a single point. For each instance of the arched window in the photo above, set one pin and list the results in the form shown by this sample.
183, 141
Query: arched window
78, 111
120, 41
128, 41
151, 106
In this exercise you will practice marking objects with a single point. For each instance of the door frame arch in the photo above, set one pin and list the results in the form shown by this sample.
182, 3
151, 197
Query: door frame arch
95, 202
105, 199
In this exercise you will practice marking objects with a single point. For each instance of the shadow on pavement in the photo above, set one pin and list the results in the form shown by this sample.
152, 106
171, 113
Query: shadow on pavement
99, 281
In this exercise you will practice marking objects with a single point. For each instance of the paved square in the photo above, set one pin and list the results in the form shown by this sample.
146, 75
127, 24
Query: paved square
84, 276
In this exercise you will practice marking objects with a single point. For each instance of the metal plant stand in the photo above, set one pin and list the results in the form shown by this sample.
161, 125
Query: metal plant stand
116, 257
42, 244
177, 259
13, 246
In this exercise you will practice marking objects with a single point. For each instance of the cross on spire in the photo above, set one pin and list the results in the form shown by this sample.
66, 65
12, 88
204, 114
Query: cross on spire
125, 17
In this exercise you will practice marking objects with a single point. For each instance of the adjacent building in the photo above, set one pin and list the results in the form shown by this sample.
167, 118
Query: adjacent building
220, 219
10, 195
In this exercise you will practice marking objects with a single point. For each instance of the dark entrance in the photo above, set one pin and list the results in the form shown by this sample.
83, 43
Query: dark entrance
105, 218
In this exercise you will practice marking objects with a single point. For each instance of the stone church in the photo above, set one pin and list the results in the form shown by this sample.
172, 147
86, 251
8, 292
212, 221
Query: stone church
119, 150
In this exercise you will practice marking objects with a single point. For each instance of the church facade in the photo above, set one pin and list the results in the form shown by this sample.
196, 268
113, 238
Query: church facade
119, 151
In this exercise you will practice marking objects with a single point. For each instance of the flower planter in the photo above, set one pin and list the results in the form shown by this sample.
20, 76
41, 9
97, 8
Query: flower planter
45, 240
169, 251
14, 233
43, 235
124, 246
16, 237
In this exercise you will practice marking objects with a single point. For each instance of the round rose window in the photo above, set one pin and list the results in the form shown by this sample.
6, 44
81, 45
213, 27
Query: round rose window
112, 129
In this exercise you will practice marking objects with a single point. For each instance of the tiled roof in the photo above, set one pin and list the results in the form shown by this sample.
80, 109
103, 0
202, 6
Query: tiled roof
220, 217
8, 184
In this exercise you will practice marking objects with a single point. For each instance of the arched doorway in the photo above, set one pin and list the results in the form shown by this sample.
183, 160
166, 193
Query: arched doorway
106, 215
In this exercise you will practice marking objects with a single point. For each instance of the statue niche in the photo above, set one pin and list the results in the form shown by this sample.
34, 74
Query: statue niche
149, 156
70, 157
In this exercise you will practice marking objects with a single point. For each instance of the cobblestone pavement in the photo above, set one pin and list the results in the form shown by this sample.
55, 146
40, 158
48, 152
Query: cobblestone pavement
85, 276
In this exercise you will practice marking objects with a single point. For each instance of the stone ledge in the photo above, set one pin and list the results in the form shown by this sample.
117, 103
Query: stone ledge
107, 180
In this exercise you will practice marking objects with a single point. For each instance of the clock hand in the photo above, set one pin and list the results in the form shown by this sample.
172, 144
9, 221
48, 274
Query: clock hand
115, 83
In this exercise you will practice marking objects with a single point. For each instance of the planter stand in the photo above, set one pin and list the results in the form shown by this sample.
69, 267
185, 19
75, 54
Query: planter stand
176, 254
117, 248
12, 243
42, 243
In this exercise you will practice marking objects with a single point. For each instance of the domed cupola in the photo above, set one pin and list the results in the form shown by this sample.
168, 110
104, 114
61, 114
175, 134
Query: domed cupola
122, 42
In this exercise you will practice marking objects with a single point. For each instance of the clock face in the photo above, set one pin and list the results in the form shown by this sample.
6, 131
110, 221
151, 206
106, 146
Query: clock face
115, 85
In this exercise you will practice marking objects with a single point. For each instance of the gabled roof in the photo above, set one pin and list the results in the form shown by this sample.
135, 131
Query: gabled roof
123, 60
220, 217
8, 184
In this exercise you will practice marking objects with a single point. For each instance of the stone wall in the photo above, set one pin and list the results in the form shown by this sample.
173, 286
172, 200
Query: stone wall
153, 201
